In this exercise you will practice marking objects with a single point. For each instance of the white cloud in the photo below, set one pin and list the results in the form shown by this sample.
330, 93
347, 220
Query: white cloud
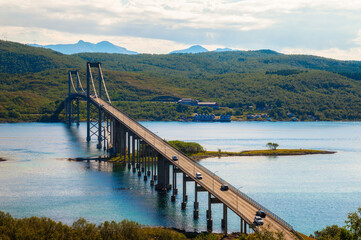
335, 53
231, 23
45, 36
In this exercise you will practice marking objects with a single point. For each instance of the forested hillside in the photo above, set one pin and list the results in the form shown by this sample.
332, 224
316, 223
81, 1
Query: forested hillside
33, 82
20, 58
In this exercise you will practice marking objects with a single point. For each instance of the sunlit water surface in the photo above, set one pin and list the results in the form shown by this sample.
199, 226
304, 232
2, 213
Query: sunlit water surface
309, 192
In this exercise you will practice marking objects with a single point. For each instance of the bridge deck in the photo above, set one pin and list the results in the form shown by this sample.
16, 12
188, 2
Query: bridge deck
237, 201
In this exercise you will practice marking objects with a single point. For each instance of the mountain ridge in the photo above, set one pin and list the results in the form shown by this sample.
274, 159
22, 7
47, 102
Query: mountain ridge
82, 46
192, 49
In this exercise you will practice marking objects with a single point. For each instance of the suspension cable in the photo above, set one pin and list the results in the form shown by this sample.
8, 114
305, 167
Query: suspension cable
78, 78
72, 83
95, 91
105, 87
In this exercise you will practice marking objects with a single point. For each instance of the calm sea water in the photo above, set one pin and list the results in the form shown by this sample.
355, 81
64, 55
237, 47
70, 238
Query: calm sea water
309, 192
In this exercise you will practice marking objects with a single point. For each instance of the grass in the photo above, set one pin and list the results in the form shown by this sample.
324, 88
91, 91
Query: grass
277, 152
208, 154
281, 152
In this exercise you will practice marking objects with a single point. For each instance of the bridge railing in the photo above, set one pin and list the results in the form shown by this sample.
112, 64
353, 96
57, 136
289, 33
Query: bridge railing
234, 189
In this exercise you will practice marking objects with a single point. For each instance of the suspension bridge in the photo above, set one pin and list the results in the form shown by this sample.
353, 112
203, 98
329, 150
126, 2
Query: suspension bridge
156, 160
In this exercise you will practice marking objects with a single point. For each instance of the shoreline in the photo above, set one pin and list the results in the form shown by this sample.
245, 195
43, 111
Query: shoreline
278, 152
210, 154
238, 120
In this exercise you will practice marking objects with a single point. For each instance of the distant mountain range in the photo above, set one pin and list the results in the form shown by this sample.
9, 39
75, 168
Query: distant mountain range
108, 47
81, 46
200, 49
192, 49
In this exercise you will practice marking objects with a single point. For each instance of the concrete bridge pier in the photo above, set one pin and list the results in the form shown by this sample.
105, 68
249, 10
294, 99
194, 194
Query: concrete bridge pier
142, 159
118, 138
152, 160
163, 172
145, 159
209, 214
174, 184
224, 219
196, 203
123, 143
138, 157
128, 151
185, 196
133, 154
156, 161
214, 200
243, 226
149, 151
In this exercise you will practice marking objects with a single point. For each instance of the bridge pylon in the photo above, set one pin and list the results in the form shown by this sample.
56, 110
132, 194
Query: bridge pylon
97, 92
69, 101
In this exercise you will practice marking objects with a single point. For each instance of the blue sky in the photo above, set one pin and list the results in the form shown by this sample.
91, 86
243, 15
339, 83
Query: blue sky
326, 28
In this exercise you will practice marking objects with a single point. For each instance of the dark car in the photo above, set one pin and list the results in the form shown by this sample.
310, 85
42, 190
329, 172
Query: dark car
261, 214
175, 158
224, 187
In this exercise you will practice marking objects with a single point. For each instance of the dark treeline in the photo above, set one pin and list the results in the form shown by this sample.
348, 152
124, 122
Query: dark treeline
35, 228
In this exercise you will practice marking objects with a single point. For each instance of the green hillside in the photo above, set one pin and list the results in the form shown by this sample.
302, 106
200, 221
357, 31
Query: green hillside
33, 82
20, 58
217, 63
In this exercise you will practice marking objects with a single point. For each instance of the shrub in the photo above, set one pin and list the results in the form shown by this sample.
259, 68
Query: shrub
187, 147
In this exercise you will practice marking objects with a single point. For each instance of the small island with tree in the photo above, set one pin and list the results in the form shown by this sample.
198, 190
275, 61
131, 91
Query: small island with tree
197, 152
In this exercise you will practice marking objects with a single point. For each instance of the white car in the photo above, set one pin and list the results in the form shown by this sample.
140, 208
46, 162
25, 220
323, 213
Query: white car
258, 220
199, 175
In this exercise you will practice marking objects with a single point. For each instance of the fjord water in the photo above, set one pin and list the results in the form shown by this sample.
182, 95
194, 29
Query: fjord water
309, 191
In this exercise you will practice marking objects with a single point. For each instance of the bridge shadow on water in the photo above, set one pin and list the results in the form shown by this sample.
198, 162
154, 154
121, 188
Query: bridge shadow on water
150, 207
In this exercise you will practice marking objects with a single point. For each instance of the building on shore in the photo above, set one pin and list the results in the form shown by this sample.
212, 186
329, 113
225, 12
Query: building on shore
204, 118
225, 118
211, 118
208, 104
191, 102
188, 101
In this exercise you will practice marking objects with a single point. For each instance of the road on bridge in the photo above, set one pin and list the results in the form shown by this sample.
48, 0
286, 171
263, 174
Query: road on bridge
235, 200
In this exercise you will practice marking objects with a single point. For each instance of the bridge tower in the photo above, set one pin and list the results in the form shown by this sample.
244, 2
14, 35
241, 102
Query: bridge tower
69, 113
95, 127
